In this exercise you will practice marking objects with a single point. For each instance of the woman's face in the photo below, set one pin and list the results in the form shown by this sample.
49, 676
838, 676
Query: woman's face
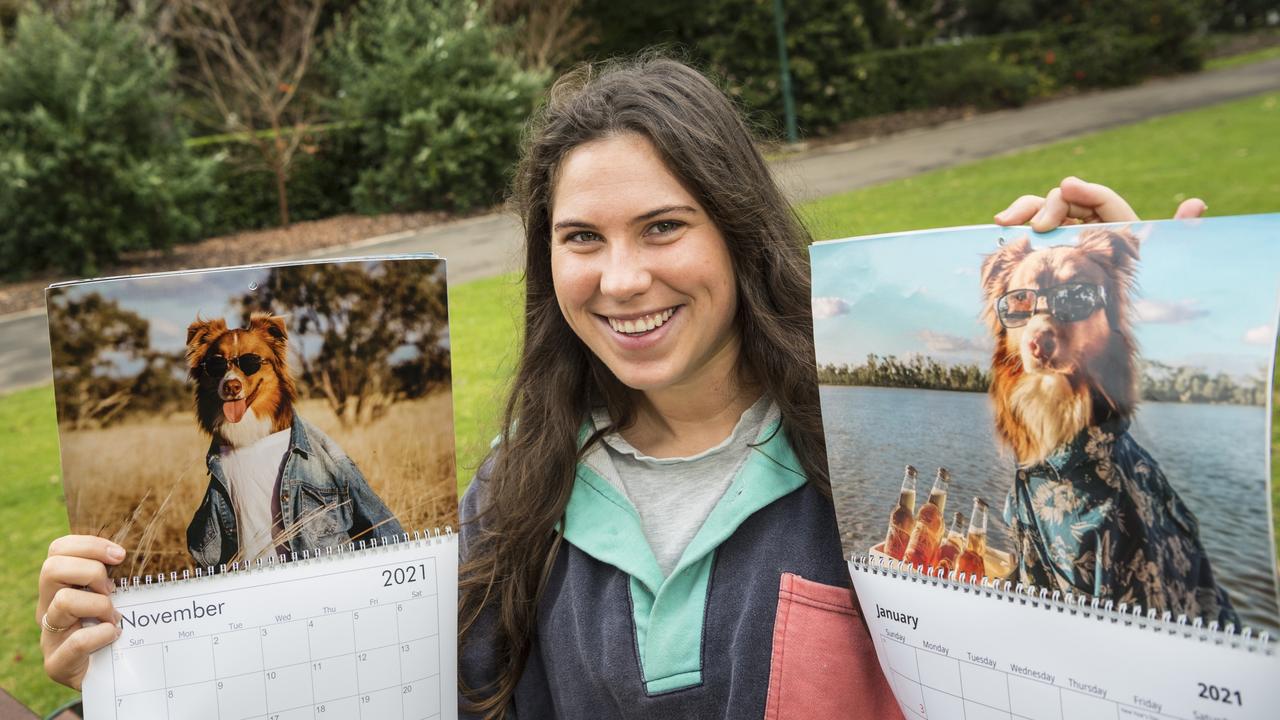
641, 273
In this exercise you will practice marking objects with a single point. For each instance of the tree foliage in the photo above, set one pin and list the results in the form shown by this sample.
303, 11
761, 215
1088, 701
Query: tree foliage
249, 66
366, 337
441, 109
1158, 382
92, 163
104, 368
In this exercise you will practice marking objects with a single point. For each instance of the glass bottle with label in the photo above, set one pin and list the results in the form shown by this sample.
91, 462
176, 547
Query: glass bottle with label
922, 549
952, 546
903, 517
971, 562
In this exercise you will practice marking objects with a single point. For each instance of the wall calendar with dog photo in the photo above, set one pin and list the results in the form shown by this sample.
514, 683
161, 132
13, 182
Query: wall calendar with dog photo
273, 447
1053, 460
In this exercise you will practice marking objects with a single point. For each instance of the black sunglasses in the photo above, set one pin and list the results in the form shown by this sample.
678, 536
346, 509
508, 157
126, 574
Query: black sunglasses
216, 365
1068, 302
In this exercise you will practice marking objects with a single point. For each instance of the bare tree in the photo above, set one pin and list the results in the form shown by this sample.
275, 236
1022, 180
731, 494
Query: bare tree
547, 31
249, 65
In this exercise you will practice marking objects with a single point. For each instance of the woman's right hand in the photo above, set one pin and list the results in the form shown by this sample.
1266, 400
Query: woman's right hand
74, 586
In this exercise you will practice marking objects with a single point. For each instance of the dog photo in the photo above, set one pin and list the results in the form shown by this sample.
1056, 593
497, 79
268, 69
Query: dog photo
246, 415
1087, 411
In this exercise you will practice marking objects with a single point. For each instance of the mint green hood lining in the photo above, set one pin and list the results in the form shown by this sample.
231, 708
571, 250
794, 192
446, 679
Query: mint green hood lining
668, 613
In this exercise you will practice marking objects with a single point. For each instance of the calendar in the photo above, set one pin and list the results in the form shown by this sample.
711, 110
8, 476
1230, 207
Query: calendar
1051, 460
352, 633
1043, 659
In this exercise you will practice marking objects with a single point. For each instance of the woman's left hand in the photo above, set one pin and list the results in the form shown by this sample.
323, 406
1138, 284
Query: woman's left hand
1075, 201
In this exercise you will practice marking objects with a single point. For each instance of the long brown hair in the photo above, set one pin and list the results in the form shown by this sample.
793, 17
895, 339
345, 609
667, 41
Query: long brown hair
530, 473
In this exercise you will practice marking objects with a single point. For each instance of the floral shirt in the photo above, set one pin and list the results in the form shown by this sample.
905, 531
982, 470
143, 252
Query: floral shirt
1098, 518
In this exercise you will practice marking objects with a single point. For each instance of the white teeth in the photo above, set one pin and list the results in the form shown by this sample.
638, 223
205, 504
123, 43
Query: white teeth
641, 325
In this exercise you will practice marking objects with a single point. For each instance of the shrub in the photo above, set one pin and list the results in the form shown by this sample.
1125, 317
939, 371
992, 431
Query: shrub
91, 164
441, 109
320, 183
854, 58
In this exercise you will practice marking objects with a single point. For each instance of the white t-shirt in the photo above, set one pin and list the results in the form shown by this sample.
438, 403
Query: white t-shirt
675, 495
253, 474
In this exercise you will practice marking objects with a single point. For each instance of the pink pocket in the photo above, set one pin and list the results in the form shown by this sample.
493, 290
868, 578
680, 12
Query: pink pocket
824, 663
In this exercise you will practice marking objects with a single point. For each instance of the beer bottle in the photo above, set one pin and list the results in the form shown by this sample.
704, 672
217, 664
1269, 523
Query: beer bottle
971, 561
951, 546
922, 549
903, 517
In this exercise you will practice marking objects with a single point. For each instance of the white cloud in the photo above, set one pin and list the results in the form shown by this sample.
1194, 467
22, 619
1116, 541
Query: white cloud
1169, 312
1260, 335
943, 342
829, 307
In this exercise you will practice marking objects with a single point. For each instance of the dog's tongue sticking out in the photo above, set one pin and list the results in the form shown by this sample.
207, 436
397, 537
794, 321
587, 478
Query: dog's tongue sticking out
234, 410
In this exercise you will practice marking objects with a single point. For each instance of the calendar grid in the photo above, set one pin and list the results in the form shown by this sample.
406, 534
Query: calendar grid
333, 663
964, 706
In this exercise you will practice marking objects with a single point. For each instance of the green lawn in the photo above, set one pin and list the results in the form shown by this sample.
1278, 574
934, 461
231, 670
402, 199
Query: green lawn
1224, 153
31, 515
484, 323
1222, 63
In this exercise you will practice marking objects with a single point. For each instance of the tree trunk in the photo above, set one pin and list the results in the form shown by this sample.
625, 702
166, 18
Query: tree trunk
282, 194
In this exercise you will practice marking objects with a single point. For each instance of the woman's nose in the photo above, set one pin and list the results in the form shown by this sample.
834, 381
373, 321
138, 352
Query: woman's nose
625, 274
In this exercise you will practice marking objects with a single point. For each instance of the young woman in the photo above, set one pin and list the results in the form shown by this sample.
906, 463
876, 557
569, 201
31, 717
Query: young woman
652, 534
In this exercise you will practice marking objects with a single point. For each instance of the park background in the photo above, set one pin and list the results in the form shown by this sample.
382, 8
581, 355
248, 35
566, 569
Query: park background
140, 135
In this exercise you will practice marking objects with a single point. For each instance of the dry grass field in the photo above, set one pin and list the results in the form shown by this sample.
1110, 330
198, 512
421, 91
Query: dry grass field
140, 482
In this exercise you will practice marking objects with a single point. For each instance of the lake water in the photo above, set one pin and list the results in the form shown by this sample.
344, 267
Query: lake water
1213, 456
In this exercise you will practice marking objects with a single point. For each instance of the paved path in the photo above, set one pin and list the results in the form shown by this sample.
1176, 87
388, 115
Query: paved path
488, 245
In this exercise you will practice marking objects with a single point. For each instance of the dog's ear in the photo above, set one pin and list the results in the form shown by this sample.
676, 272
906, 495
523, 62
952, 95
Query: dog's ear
199, 334
1119, 247
271, 328
996, 269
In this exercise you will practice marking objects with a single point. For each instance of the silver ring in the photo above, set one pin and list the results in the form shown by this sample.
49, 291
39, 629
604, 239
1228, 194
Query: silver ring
44, 623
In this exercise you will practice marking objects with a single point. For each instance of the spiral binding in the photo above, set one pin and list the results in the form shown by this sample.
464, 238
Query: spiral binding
420, 537
1075, 604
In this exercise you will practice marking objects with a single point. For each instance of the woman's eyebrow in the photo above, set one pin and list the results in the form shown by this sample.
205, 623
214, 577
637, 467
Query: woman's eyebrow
571, 223
662, 211
575, 223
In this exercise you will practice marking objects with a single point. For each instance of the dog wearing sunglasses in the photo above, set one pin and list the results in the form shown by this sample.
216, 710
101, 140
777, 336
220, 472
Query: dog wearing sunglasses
277, 484
1090, 511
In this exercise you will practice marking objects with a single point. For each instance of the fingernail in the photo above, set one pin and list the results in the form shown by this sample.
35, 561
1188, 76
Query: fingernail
115, 553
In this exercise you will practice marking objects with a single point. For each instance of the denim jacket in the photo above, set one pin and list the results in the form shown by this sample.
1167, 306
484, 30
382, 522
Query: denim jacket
319, 486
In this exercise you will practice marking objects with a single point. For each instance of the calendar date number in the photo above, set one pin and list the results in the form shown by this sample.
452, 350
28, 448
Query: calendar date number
1219, 693
404, 575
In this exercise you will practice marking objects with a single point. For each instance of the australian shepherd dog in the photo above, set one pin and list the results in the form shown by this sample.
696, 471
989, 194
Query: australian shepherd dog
277, 484
236, 403
1090, 510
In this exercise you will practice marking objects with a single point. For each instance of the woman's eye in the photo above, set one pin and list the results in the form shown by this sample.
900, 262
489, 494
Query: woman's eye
662, 227
581, 237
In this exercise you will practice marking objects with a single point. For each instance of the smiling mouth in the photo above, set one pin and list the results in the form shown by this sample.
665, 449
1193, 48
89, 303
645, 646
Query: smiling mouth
643, 324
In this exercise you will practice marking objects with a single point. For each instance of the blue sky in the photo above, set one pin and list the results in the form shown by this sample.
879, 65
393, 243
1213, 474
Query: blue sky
1206, 296
170, 302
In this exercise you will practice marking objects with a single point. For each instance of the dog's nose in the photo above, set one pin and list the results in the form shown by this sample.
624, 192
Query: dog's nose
231, 387
1042, 345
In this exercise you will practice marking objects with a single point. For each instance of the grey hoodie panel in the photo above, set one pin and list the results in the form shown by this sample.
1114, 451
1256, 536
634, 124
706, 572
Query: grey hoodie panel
584, 662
